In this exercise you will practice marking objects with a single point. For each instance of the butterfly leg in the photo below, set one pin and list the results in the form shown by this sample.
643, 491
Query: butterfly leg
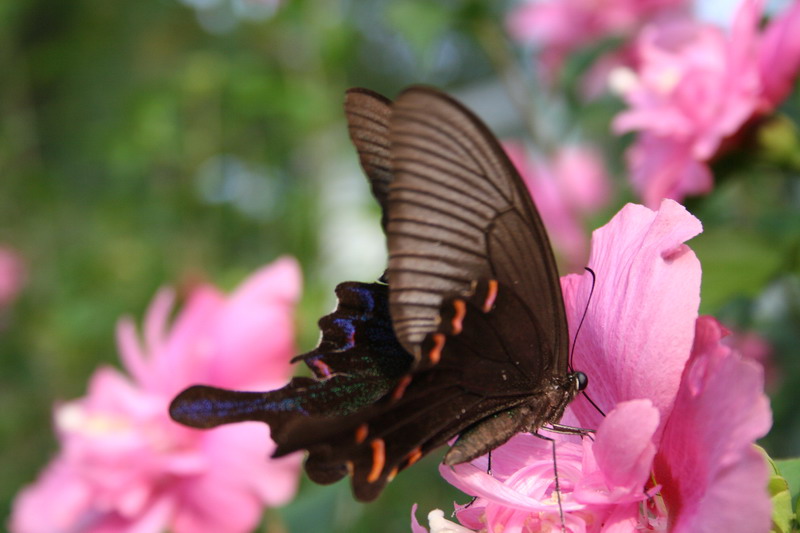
555, 475
571, 430
488, 471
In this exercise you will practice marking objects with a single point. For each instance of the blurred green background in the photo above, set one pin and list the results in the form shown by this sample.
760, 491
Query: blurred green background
153, 142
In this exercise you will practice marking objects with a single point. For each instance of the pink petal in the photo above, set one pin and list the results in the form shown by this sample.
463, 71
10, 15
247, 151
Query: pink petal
415, 527
211, 507
182, 358
254, 334
152, 520
744, 31
131, 352
519, 452
565, 188
156, 319
664, 168
55, 502
275, 481
623, 519
624, 451
476, 482
779, 57
712, 477
640, 323
583, 175
111, 393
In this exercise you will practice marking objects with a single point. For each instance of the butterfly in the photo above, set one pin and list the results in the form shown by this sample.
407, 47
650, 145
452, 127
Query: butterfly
464, 336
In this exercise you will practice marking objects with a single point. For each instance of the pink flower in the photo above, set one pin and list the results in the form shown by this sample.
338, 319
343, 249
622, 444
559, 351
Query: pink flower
696, 86
675, 451
756, 348
665, 168
570, 186
12, 275
559, 27
125, 466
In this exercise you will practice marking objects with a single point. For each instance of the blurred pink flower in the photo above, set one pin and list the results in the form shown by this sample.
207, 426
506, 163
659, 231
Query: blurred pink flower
675, 451
665, 168
12, 275
756, 348
567, 188
125, 466
695, 86
560, 27
779, 57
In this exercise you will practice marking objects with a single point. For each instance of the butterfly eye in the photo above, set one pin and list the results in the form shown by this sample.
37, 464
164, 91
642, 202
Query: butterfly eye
581, 380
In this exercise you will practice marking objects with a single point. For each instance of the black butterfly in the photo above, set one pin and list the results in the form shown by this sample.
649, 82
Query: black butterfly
466, 333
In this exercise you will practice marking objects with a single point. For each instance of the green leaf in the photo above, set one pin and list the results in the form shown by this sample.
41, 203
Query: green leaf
780, 141
783, 487
782, 515
790, 470
736, 262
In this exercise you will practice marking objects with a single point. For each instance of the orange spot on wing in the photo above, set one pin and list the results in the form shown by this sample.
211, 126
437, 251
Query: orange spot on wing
378, 460
400, 389
461, 310
491, 296
436, 352
414, 456
392, 474
361, 433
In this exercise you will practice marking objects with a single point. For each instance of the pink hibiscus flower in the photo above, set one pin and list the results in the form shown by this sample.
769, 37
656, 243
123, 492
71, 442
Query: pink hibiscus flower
696, 86
559, 27
675, 451
125, 466
570, 186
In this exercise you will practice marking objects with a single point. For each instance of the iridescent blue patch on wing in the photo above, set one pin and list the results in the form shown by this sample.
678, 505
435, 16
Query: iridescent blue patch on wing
349, 332
358, 338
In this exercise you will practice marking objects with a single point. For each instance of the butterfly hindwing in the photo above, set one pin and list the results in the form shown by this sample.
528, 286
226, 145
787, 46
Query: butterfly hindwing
350, 334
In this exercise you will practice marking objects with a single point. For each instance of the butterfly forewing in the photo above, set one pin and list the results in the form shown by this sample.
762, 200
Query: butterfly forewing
368, 115
457, 212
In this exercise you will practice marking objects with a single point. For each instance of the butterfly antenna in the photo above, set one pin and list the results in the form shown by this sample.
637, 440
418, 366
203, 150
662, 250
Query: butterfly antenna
593, 404
583, 317
577, 331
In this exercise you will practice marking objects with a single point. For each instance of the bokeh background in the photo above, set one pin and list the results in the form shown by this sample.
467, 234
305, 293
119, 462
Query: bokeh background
159, 142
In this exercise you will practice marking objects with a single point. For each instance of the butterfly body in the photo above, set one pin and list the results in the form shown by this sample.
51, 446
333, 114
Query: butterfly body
467, 338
